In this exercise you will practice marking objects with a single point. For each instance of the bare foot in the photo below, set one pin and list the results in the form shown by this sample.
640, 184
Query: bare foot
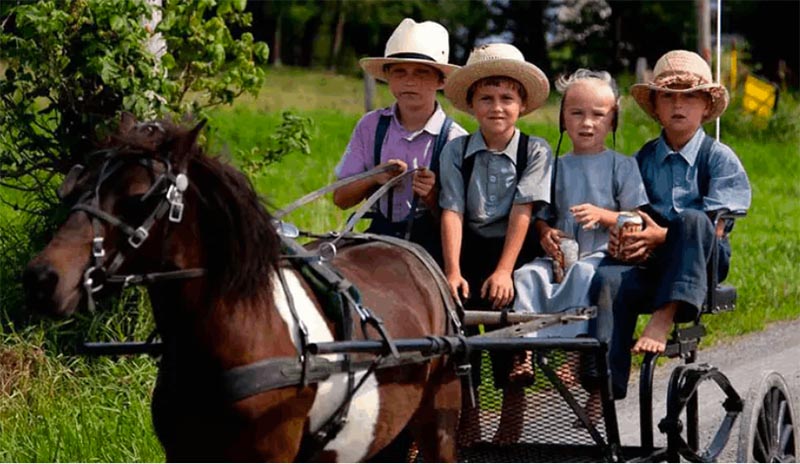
654, 336
567, 372
522, 370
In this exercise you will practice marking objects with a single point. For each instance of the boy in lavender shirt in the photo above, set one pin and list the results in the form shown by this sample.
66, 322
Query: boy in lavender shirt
408, 134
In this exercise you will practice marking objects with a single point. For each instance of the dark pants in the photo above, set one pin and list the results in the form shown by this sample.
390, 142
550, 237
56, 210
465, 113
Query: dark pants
677, 271
425, 232
479, 258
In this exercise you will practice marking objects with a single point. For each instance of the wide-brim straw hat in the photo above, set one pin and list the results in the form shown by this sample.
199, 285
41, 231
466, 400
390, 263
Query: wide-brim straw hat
412, 42
497, 59
682, 71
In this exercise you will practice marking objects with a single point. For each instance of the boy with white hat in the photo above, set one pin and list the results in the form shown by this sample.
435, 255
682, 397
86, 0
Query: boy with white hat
688, 176
491, 182
409, 134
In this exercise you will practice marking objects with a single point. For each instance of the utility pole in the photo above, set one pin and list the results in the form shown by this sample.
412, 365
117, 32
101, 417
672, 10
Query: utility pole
704, 29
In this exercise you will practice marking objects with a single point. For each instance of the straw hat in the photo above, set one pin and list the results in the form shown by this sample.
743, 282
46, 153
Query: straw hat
413, 42
497, 60
682, 71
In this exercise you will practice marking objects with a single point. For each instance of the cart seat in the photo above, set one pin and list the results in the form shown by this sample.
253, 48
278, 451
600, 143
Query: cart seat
724, 299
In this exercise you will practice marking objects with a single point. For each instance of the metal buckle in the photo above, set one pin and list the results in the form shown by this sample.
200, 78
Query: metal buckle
175, 199
327, 251
88, 281
138, 237
175, 212
97, 247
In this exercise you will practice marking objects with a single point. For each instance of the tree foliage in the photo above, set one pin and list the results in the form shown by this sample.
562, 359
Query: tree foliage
71, 66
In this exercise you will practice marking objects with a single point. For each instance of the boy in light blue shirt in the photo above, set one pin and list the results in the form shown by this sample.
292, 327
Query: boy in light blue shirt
687, 176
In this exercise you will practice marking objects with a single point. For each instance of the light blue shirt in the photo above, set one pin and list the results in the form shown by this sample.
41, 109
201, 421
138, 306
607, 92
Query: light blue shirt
670, 178
493, 187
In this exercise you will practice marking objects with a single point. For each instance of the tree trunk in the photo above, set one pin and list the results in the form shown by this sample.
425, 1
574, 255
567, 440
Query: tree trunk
276, 49
338, 33
703, 29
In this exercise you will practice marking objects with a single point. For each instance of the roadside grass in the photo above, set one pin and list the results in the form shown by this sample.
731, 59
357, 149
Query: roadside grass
58, 407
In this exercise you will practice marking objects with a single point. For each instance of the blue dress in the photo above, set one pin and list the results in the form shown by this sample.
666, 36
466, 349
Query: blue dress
607, 179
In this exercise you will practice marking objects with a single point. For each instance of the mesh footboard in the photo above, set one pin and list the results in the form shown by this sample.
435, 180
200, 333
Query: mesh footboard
536, 423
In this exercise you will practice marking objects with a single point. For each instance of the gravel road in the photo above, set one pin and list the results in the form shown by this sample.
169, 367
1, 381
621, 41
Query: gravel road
742, 360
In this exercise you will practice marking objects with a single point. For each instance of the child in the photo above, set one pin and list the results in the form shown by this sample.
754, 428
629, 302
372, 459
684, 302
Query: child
491, 181
410, 133
688, 176
592, 183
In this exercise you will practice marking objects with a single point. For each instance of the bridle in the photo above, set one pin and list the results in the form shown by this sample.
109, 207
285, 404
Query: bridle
169, 185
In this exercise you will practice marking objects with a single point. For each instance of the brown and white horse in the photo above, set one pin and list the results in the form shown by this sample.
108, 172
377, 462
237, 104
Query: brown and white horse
236, 312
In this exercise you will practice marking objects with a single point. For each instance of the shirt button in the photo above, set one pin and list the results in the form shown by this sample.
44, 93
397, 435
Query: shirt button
492, 178
492, 197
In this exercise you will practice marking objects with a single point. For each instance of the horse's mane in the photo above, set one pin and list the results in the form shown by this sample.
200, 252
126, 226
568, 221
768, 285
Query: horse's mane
241, 245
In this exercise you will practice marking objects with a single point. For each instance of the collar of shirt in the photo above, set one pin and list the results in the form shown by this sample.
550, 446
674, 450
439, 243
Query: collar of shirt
688, 152
476, 144
433, 126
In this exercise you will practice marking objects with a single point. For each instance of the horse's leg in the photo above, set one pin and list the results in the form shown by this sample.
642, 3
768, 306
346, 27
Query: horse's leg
434, 425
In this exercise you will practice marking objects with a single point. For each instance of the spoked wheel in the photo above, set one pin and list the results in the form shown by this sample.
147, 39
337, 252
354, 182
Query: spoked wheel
769, 426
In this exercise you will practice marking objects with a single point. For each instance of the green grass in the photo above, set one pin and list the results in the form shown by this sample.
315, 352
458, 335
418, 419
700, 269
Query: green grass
54, 407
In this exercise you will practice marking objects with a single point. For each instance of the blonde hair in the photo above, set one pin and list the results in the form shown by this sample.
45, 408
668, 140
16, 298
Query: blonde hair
565, 82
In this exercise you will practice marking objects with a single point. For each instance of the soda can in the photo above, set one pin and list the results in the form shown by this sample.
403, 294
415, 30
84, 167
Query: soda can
628, 222
568, 255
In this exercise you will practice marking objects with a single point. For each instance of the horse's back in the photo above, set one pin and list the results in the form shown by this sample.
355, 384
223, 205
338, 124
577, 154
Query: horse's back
397, 286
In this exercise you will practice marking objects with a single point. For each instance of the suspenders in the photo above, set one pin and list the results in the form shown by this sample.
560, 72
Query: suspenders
468, 164
438, 145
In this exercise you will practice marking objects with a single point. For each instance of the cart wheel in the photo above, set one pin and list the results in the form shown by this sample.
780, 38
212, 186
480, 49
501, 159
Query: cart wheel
769, 428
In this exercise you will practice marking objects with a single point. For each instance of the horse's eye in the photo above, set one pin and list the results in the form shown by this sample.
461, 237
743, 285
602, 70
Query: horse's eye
131, 203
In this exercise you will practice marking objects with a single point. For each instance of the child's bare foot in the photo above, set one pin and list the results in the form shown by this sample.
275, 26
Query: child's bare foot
567, 372
654, 336
522, 370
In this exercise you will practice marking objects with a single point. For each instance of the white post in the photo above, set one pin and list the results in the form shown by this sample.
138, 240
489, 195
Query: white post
719, 51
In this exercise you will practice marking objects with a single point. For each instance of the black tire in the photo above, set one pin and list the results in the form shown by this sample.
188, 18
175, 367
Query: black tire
768, 431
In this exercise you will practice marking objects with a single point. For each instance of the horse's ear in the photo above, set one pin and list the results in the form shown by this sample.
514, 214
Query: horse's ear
195, 132
182, 148
126, 122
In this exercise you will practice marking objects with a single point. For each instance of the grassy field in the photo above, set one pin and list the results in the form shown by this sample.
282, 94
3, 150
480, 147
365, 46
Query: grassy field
56, 407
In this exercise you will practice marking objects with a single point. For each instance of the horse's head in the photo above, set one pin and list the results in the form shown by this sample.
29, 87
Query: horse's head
148, 202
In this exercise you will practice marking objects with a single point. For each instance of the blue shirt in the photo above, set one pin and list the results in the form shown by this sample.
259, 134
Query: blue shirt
670, 178
493, 187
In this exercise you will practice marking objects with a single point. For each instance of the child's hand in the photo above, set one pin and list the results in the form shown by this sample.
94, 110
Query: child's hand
639, 245
385, 177
551, 237
457, 283
590, 216
499, 289
424, 180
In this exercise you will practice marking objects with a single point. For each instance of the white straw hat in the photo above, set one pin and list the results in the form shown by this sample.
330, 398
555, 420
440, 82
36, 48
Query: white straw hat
682, 71
413, 42
497, 60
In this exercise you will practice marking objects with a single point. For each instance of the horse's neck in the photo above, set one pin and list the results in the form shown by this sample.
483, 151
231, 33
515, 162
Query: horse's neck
225, 330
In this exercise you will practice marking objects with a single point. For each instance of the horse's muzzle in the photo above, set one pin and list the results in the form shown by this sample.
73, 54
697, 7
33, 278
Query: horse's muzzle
40, 281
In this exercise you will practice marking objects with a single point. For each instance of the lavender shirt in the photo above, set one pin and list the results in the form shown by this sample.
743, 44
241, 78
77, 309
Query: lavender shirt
398, 144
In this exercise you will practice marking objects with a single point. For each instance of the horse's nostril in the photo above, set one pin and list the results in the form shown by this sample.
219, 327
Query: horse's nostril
40, 282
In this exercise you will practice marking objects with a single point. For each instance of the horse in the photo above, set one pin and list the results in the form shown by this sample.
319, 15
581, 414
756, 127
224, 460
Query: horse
223, 293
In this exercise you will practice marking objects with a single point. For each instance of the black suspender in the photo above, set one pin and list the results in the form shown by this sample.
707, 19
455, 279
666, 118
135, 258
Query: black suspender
468, 164
438, 145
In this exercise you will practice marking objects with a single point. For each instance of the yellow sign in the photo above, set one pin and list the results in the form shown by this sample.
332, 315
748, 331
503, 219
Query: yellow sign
760, 96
